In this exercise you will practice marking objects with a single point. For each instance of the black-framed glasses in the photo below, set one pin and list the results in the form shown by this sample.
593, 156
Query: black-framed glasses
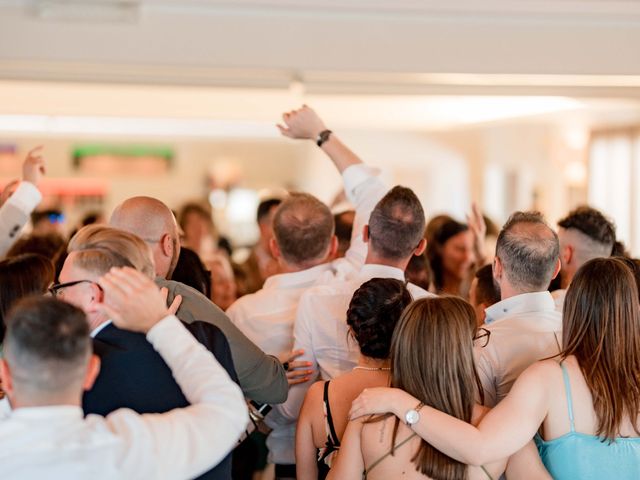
54, 290
482, 337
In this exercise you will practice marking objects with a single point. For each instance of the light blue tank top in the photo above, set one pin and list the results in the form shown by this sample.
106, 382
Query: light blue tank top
585, 457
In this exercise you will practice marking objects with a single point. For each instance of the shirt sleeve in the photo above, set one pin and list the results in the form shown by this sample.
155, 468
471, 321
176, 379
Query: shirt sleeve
486, 373
302, 339
187, 441
14, 214
364, 189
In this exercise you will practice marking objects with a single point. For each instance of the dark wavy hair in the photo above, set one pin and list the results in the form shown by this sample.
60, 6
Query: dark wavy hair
21, 276
373, 313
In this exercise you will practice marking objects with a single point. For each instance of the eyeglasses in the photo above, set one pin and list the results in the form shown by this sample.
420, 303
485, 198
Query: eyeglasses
55, 290
482, 337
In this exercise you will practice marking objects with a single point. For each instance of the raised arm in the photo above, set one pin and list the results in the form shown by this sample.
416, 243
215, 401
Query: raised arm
305, 123
502, 432
15, 212
362, 183
184, 442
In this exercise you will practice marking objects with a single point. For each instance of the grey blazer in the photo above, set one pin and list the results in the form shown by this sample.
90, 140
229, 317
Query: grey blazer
261, 376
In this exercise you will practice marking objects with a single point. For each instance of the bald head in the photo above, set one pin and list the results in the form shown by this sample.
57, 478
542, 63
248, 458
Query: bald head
528, 251
153, 221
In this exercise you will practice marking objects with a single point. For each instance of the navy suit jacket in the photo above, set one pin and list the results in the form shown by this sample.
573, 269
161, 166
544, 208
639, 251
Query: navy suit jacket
133, 375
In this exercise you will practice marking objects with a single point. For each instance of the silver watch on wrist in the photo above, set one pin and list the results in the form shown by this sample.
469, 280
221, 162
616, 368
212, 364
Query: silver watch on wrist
413, 416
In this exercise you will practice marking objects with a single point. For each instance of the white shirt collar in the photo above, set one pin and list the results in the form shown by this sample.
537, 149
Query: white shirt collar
523, 303
372, 270
296, 279
99, 328
58, 412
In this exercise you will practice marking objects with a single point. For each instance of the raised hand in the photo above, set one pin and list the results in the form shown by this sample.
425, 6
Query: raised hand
132, 300
301, 123
478, 228
33, 168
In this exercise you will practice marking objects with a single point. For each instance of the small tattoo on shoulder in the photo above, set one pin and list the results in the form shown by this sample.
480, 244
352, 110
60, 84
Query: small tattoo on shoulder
382, 429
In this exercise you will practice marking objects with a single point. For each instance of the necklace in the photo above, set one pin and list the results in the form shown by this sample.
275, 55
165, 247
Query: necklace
372, 369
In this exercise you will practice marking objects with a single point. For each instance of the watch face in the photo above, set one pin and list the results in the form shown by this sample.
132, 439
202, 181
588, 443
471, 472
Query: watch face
412, 417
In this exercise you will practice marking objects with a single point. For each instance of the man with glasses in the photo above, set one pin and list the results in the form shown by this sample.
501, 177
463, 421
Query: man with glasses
524, 326
48, 363
133, 374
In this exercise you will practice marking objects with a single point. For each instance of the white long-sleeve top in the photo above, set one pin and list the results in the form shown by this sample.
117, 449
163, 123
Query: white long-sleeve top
15, 212
56, 442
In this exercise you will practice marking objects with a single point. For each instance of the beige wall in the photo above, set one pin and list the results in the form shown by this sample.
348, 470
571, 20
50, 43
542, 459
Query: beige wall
447, 170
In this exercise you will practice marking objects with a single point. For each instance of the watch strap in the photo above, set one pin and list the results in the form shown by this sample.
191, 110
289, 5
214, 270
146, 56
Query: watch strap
323, 136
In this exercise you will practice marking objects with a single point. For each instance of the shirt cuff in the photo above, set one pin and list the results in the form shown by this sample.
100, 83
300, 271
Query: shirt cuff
26, 197
355, 175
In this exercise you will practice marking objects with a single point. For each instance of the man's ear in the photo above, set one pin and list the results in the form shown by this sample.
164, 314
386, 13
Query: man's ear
497, 269
422, 246
567, 254
5, 376
557, 269
166, 245
93, 369
97, 298
365, 234
333, 247
275, 250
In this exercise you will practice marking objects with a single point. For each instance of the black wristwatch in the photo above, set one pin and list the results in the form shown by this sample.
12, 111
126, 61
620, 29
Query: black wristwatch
323, 136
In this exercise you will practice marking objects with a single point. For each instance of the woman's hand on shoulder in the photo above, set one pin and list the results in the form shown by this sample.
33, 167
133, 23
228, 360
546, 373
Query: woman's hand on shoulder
381, 400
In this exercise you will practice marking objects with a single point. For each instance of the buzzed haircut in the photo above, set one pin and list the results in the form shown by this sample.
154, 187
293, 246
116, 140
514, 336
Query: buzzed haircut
47, 344
592, 223
397, 224
265, 207
529, 250
487, 291
303, 227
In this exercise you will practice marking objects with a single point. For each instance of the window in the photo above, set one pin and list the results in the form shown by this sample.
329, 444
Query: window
614, 173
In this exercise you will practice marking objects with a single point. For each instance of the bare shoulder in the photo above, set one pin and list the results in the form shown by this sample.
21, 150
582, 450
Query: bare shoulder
543, 369
313, 398
377, 428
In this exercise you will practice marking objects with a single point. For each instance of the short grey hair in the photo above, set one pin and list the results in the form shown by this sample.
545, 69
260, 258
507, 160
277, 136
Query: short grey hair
529, 251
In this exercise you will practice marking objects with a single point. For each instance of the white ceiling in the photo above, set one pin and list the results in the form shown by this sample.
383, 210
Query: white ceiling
544, 47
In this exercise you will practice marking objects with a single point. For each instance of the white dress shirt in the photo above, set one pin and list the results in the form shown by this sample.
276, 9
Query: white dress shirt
267, 316
321, 330
558, 297
15, 212
523, 329
56, 442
